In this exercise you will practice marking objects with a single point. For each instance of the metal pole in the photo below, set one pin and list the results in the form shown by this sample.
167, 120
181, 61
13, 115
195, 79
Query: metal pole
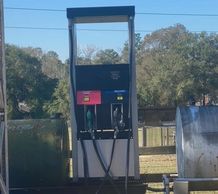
4, 183
134, 109
166, 184
72, 63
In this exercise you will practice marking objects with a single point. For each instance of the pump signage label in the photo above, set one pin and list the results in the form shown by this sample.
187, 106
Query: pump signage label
88, 97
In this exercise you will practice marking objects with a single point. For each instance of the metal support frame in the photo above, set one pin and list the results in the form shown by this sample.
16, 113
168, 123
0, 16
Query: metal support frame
103, 15
73, 61
185, 185
4, 177
181, 187
166, 183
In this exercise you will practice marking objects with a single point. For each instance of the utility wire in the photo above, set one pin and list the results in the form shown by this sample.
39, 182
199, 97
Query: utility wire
102, 30
34, 9
178, 14
139, 13
80, 29
33, 28
89, 30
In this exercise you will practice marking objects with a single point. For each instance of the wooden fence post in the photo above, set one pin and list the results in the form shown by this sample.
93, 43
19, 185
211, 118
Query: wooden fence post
144, 132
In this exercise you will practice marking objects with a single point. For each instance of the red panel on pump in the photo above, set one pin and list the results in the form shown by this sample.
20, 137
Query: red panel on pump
88, 97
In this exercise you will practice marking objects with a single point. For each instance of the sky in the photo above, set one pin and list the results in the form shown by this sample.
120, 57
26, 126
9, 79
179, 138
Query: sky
56, 39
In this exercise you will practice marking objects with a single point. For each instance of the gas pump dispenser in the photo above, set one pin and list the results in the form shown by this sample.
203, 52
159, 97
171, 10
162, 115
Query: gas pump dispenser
103, 104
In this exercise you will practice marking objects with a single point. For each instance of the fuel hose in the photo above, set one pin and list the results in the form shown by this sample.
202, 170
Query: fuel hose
106, 170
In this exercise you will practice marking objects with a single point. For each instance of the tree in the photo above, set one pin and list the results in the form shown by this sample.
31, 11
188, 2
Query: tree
60, 100
51, 64
138, 50
107, 56
86, 55
157, 71
203, 66
177, 64
26, 83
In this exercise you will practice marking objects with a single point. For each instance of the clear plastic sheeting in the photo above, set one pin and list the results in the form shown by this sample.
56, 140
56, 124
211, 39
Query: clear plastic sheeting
197, 141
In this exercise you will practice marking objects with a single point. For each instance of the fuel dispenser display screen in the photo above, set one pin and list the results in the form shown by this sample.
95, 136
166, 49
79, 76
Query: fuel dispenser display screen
102, 100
